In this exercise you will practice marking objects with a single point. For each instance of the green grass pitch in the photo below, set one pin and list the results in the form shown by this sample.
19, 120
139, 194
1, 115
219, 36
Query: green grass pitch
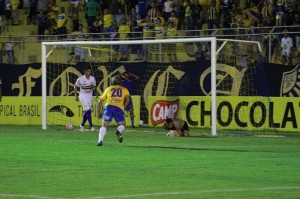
57, 164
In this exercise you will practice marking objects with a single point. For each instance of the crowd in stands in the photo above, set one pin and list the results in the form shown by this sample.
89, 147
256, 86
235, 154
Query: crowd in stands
160, 18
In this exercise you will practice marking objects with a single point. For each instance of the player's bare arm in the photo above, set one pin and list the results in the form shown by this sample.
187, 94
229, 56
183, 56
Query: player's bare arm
135, 76
76, 93
127, 100
100, 108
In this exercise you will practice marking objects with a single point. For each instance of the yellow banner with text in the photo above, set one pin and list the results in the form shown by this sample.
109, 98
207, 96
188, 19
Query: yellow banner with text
233, 112
60, 111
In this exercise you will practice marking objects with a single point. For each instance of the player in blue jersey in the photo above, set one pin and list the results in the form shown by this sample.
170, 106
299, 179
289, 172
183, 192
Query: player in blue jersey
128, 80
87, 84
116, 97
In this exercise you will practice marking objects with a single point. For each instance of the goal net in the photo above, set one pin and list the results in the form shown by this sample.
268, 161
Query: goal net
212, 84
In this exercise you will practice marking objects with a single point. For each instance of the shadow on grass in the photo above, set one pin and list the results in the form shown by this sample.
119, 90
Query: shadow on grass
188, 148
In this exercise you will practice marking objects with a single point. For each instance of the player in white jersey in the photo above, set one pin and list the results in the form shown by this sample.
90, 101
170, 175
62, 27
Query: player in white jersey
87, 84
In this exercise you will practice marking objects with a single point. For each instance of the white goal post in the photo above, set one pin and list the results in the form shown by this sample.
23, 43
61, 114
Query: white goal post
52, 45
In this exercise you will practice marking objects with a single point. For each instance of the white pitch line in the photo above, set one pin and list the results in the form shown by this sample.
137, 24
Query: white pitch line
2, 195
158, 193
194, 192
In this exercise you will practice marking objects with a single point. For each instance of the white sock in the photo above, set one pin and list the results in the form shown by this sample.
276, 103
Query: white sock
102, 133
121, 128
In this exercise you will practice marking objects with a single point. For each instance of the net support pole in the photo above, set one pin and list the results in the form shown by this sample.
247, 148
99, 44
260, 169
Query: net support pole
213, 87
44, 88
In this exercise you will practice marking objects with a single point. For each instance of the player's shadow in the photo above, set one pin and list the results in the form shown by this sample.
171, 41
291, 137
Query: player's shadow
188, 148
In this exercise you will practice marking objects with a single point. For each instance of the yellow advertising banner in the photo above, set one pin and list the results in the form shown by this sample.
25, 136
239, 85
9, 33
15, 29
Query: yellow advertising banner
60, 111
233, 112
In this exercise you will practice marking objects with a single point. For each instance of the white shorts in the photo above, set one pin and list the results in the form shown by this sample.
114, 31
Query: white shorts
86, 103
80, 52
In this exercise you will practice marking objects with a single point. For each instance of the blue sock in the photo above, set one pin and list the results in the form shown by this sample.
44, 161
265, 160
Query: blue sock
84, 118
89, 117
132, 120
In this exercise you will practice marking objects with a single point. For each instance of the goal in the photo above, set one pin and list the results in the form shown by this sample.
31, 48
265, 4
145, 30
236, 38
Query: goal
225, 91
106, 59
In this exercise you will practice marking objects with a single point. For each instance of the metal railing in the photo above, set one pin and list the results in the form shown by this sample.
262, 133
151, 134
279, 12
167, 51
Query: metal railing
29, 45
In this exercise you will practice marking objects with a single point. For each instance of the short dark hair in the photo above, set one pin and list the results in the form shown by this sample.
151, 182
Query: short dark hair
169, 120
87, 68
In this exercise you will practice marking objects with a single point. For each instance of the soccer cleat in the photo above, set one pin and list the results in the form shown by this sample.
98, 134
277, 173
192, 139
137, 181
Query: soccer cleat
119, 135
81, 128
100, 143
93, 128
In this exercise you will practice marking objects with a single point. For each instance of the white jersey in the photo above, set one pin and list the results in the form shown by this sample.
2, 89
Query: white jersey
86, 86
286, 45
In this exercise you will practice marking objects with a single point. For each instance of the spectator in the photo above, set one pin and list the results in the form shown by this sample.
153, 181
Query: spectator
187, 15
138, 34
178, 8
42, 24
79, 35
160, 16
119, 17
53, 11
285, 60
171, 48
268, 22
8, 14
15, 11
148, 28
9, 47
159, 31
26, 6
124, 31
142, 9
173, 18
212, 15
176, 127
160, 4
31, 19
196, 22
290, 16
133, 13
62, 20
200, 54
286, 44
107, 19
266, 10
280, 16
148, 4
113, 35
73, 7
167, 9
96, 29
75, 22
226, 7
42, 5
91, 11
114, 6
152, 12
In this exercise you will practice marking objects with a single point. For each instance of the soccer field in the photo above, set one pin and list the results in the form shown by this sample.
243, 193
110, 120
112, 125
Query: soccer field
67, 164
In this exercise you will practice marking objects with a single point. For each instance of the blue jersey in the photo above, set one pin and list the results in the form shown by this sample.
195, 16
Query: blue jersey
128, 84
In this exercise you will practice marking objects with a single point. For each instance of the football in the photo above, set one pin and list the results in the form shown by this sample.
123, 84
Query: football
69, 126
172, 133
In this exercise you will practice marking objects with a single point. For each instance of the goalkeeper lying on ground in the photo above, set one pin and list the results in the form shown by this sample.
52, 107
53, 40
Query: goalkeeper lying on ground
176, 127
